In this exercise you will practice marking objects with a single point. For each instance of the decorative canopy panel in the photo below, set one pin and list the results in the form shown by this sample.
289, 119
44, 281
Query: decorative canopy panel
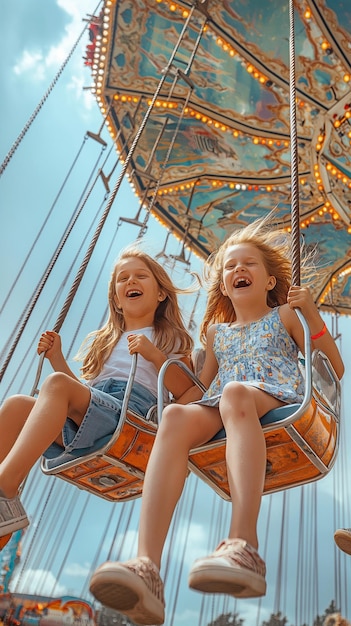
213, 152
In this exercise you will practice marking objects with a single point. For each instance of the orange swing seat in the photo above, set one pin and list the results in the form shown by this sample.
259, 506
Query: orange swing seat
301, 440
301, 444
115, 468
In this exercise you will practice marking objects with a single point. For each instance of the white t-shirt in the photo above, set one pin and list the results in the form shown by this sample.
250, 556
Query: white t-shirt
119, 363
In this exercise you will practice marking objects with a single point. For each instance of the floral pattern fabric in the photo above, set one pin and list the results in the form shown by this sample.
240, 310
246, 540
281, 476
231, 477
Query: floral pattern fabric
261, 354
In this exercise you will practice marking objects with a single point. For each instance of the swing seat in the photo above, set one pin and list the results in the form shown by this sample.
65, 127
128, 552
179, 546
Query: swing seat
301, 439
114, 467
301, 444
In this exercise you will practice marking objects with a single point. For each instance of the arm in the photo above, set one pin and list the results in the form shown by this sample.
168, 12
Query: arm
50, 343
208, 372
300, 297
176, 381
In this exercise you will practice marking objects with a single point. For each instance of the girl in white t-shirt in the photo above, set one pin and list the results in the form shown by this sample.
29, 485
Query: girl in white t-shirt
69, 414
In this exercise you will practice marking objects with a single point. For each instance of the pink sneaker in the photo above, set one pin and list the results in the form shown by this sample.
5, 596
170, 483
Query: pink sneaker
235, 568
342, 538
133, 588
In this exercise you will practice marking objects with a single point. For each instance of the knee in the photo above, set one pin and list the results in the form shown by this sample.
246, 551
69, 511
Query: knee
172, 424
12, 402
170, 414
236, 400
235, 391
15, 410
57, 381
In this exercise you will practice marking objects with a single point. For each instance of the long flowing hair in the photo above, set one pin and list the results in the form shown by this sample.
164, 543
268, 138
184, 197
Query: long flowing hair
275, 247
170, 333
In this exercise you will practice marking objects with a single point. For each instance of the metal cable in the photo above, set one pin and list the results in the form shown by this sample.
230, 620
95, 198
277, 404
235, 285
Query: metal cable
25, 562
70, 543
295, 210
278, 588
264, 553
43, 545
41, 229
31, 304
87, 257
92, 291
300, 560
38, 108
113, 195
115, 534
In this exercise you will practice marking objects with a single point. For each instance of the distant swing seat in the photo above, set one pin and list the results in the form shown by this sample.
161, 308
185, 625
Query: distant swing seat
114, 469
301, 440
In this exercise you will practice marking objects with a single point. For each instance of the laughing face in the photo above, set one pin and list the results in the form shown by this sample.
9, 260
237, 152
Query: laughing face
244, 271
137, 291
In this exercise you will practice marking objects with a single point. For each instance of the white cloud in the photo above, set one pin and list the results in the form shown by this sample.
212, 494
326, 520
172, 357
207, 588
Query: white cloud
187, 617
40, 581
31, 63
249, 610
196, 539
77, 570
128, 541
40, 66
76, 85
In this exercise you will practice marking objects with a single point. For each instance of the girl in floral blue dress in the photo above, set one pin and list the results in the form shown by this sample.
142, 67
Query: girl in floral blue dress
252, 336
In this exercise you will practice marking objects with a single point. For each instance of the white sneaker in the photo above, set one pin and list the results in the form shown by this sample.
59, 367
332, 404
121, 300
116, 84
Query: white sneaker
133, 588
235, 568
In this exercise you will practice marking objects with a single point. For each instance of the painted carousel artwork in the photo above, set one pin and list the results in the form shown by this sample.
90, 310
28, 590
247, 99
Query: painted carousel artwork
215, 152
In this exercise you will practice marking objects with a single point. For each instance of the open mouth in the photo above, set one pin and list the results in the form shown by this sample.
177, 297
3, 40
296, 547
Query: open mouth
134, 293
242, 282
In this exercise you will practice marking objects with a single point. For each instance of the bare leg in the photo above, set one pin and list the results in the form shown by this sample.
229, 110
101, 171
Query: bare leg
241, 406
13, 415
60, 396
183, 427
135, 587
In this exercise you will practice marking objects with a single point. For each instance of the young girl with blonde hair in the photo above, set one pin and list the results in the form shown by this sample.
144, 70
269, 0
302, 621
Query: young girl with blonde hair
252, 336
144, 318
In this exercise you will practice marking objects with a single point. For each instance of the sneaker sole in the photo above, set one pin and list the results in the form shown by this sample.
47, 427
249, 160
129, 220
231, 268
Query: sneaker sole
343, 541
9, 527
239, 583
124, 591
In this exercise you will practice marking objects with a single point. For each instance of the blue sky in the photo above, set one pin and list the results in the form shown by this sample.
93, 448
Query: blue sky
36, 38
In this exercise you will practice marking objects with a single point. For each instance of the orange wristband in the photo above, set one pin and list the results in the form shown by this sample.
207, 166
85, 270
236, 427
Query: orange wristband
320, 334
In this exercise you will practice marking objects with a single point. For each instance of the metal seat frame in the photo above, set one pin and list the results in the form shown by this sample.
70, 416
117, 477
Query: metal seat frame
114, 469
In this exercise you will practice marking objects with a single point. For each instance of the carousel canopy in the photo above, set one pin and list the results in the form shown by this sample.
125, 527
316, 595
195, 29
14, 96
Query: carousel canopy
212, 79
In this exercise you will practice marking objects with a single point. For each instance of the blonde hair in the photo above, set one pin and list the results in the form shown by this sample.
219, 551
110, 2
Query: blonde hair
275, 247
169, 330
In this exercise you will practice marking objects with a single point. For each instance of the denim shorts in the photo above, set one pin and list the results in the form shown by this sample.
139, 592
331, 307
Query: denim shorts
101, 417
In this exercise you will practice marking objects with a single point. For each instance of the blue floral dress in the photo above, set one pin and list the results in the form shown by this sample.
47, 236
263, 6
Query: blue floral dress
261, 354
